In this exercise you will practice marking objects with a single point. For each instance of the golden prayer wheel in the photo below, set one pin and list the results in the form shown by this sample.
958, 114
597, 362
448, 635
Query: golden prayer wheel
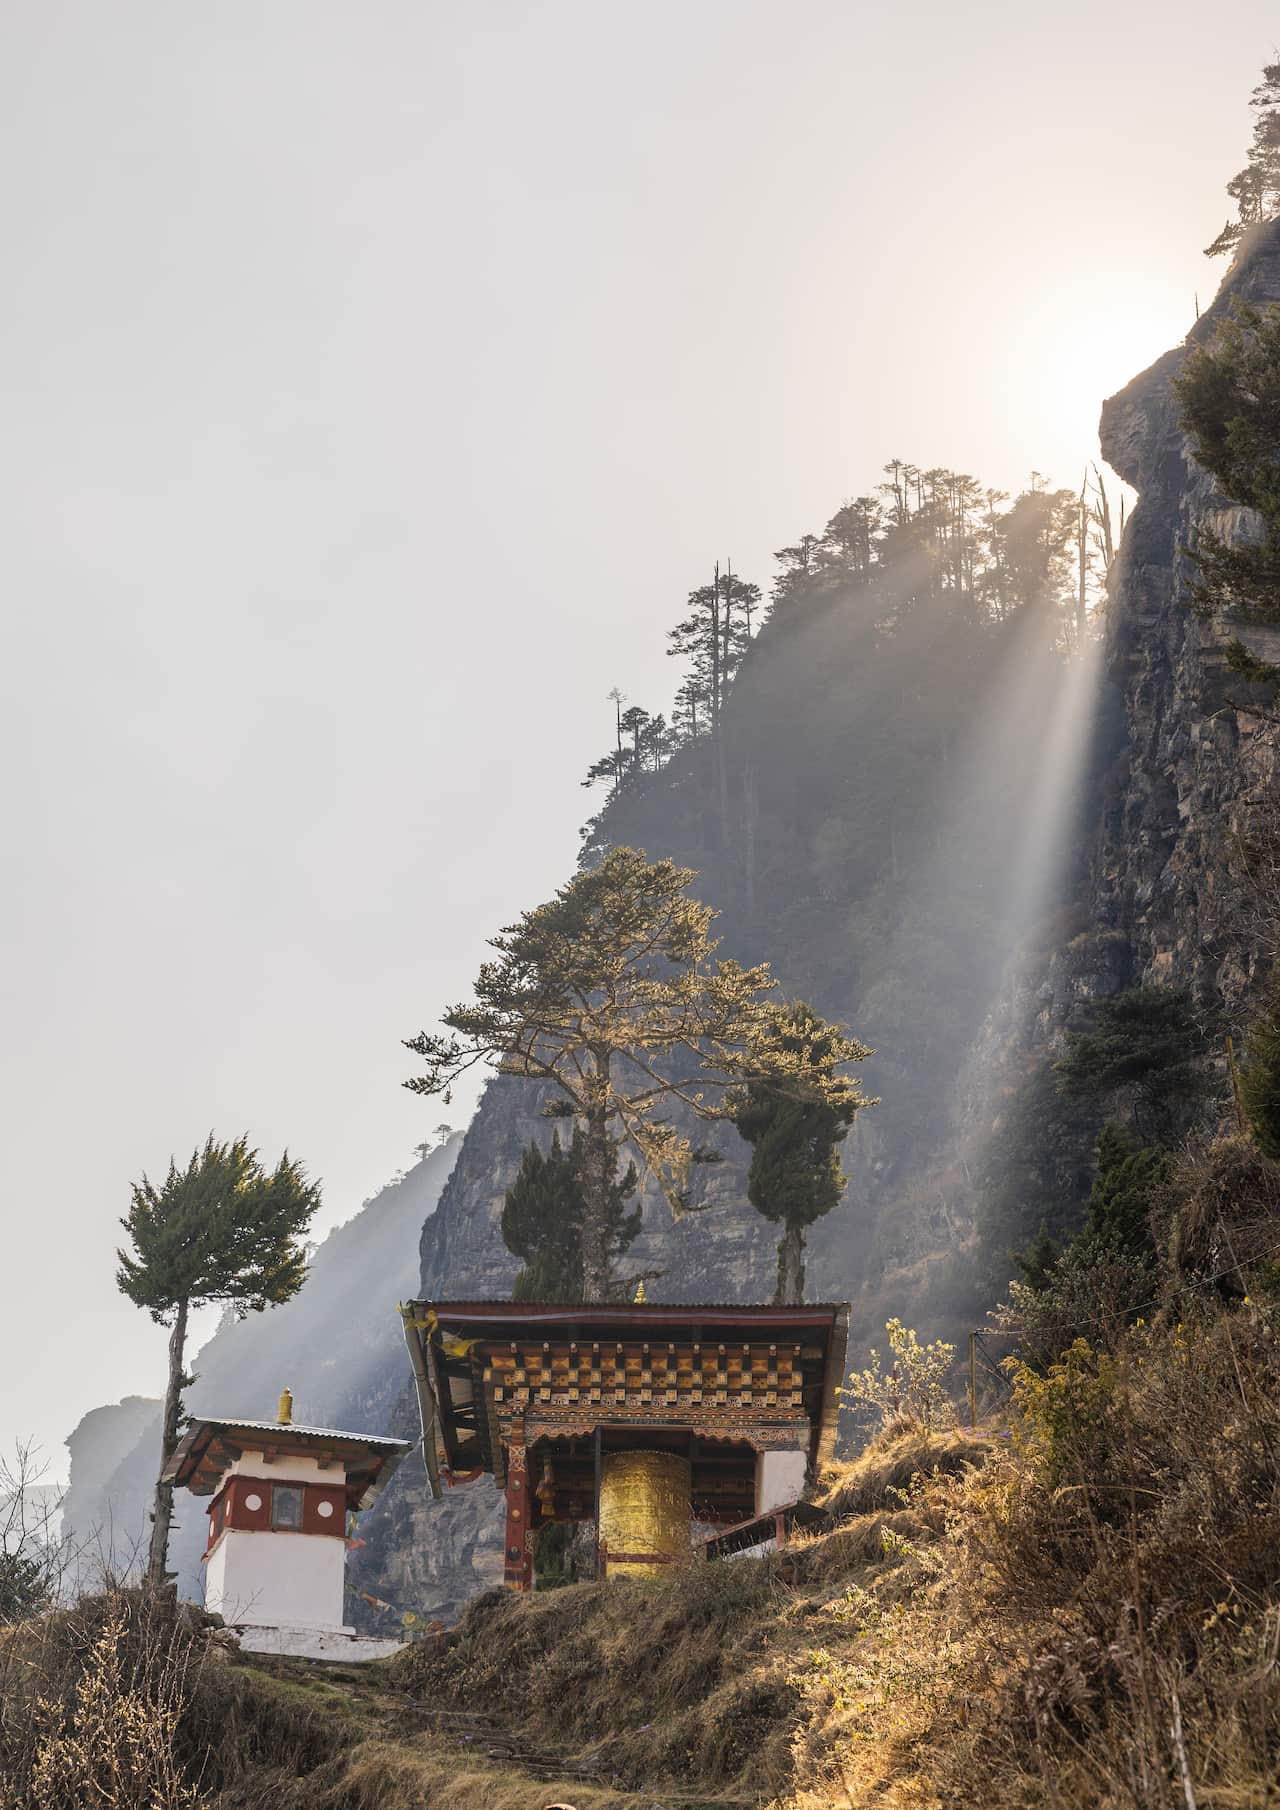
644, 1512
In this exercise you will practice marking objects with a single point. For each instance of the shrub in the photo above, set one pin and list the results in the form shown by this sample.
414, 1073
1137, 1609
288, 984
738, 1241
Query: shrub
1229, 393
1222, 1215
113, 1744
1101, 1280
1094, 1286
1063, 1415
1131, 1177
914, 1387
126, 1698
1260, 1074
1144, 1045
24, 1587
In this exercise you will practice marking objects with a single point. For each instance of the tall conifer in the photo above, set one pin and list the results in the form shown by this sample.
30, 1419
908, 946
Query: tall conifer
542, 1222
796, 1128
222, 1229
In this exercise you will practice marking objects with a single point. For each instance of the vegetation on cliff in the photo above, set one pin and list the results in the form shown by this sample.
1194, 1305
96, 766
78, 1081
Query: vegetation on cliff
1229, 392
613, 998
1256, 188
542, 1219
929, 566
882, 747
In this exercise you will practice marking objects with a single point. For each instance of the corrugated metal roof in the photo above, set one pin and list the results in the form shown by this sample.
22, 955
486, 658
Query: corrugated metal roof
523, 1308
209, 1446
291, 1426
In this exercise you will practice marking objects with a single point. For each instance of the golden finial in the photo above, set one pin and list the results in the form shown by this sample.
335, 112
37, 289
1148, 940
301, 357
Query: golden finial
286, 1407
640, 1293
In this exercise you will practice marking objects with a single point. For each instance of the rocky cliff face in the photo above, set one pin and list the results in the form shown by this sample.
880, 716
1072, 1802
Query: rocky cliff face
1200, 754
718, 1252
1153, 892
1170, 898
1180, 867
887, 914
104, 1493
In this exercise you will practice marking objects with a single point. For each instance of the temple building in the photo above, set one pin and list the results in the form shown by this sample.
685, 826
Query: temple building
644, 1417
275, 1560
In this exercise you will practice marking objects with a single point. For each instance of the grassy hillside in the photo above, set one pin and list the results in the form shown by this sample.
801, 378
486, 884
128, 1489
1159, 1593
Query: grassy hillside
1078, 1606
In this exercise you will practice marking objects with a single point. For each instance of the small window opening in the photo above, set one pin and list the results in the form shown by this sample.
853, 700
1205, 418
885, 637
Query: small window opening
286, 1505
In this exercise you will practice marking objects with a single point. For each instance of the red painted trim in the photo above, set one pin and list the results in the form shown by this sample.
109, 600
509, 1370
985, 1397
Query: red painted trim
336, 1520
230, 1510
517, 1555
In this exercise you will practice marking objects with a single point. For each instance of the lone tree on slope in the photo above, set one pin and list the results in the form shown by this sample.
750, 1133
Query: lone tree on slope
796, 1126
542, 1217
611, 993
222, 1229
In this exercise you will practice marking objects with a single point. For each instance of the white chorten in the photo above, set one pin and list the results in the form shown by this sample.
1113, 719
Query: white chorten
275, 1561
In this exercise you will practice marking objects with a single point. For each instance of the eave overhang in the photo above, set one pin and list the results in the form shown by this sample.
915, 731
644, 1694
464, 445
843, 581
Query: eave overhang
450, 1343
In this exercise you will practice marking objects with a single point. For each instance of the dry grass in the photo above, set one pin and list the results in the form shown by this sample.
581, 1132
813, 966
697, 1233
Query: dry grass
1082, 1616
1097, 1624
892, 1463
688, 1691
129, 1701
1222, 1214
681, 1680
700, 1683
130, 1698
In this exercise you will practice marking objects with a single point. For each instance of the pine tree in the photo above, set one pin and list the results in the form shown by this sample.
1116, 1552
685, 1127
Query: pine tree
612, 995
1256, 188
690, 711
611, 766
1129, 1177
222, 1229
1037, 1258
542, 1222
655, 743
1031, 550
1145, 1044
632, 724
713, 638
796, 1128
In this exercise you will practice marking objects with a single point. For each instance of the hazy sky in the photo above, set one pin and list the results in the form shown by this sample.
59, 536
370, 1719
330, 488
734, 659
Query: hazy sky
376, 380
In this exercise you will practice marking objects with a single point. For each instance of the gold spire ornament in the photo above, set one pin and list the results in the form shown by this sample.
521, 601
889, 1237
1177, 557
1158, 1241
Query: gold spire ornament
286, 1407
639, 1301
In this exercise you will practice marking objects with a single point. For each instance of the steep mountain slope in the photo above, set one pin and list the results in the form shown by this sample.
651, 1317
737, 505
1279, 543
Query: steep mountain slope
876, 831
873, 822
337, 1345
1201, 752
885, 781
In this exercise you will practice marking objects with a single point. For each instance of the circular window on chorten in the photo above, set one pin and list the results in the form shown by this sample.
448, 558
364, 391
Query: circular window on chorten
253, 1501
324, 1509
